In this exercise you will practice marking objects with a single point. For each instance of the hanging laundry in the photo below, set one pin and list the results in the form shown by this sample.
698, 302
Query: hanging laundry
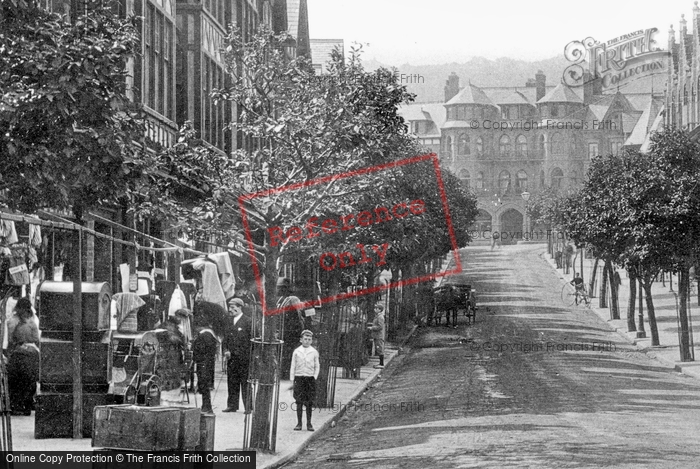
128, 305
34, 235
8, 233
223, 265
18, 273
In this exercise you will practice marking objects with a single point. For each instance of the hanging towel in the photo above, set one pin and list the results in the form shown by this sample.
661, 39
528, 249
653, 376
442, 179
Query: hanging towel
177, 301
211, 285
34, 235
128, 305
223, 265
8, 232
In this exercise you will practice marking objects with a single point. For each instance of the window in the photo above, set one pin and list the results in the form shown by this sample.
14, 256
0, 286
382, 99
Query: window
504, 146
504, 182
521, 181
557, 176
480, 180
479, 146
593, 150
554, 110
461, 113
616, 147
521, 146
540, 145
505, 112
542, 179
463, 145
448, 148
464, 178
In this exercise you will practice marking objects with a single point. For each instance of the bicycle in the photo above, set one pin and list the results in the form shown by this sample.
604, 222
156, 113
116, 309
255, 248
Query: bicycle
570, 295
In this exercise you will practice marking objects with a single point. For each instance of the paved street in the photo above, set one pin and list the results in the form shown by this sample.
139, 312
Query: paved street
532, 384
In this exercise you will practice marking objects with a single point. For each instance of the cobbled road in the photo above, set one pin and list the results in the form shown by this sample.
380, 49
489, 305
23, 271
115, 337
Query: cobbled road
532, 384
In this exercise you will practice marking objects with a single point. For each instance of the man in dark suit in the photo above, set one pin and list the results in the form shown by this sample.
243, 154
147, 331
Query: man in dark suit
237, 353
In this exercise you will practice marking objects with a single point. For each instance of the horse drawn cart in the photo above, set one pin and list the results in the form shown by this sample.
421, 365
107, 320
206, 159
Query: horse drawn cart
450, 299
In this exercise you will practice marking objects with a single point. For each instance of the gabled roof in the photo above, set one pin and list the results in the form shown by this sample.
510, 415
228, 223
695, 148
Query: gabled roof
561, 94
656, 126
433, 112
471, 94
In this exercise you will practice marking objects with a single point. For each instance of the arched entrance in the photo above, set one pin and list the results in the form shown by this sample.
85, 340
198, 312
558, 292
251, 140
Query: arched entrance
511, 226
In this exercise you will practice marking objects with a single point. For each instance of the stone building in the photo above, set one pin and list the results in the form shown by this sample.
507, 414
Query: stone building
503, 142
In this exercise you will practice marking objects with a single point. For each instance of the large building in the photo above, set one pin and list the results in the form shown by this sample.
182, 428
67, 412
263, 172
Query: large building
506, 141
683, 85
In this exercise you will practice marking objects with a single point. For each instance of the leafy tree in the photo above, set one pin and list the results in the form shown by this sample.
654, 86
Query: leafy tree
68, 135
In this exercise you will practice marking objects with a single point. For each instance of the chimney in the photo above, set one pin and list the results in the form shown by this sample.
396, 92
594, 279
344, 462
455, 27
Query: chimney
540, 84
592, 86
451, 86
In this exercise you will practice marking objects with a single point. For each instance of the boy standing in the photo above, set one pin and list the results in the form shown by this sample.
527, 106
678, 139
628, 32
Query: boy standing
303, 373
378, 330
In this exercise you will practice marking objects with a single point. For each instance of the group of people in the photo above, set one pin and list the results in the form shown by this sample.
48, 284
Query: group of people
302, 362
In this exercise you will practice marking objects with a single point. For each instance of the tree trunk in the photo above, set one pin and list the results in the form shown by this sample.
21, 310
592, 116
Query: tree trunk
614, 304
631, 301
650, 310
603, 293
591, 283
684, 333
265, 366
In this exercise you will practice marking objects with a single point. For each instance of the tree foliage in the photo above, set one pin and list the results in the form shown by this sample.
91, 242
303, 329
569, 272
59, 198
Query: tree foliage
68, 136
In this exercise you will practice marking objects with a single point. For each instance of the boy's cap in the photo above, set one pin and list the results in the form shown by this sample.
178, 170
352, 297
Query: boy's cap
307, 332
236, 301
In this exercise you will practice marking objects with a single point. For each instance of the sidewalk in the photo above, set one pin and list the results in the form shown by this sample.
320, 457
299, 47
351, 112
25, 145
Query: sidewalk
666, 317
229, 426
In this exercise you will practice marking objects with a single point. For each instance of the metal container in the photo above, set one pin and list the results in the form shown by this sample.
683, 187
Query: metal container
55, 305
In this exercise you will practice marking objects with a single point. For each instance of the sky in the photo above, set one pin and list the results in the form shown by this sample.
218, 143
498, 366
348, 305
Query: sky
423, 32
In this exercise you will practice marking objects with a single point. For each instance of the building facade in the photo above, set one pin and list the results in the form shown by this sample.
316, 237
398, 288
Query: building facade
505, 142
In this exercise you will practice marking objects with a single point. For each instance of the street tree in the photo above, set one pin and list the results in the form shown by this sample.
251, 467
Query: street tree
303, 133
69, 135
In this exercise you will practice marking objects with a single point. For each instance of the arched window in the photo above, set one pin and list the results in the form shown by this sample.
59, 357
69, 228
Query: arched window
521, 181
504, 182
540, 145
504, 146
479, 146
557, 176
448, 148
464, 178
463, 145
542, 179
521, 146
480, 180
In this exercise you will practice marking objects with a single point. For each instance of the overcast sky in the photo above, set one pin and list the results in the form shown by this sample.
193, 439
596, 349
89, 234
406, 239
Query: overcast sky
417, 32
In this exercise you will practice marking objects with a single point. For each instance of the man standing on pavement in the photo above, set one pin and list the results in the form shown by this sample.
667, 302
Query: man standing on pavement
378, 330
237, 353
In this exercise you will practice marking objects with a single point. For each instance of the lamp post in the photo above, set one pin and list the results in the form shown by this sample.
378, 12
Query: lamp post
526, 196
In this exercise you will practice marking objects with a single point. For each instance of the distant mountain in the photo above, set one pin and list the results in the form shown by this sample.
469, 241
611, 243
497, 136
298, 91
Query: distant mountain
480, 71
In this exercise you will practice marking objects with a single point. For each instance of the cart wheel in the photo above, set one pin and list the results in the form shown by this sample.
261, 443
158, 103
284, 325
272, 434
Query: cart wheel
130, 395
153, 396
568, 294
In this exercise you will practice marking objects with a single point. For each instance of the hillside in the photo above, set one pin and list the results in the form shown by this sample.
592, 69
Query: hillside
480, 71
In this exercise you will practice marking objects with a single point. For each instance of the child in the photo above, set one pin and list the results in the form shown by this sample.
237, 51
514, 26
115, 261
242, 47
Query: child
303, 373
378, 329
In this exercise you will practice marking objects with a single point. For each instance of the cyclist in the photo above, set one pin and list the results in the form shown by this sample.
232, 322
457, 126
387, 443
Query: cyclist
577, 282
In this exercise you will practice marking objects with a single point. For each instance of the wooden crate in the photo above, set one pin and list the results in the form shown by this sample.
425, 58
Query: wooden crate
146, 428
